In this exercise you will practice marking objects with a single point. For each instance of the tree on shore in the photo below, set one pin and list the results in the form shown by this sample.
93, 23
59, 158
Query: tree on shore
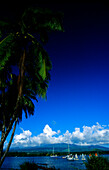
97, 163
24, 67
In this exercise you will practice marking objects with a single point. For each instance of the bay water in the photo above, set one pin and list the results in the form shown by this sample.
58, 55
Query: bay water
58, 162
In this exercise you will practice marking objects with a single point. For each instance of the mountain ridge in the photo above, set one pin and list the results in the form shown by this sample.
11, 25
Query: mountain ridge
59, 147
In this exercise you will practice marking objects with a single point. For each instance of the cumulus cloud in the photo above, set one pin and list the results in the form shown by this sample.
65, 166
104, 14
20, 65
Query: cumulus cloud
94, 135
23, 138
48, 131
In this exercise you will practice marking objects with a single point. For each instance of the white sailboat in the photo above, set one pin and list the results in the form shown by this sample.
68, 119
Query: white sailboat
76, 157
83, 157
68, 152
70, 157
53, 155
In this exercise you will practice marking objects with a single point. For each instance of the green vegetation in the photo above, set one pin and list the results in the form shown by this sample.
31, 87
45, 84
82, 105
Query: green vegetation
97, 163
33, 166
27, 166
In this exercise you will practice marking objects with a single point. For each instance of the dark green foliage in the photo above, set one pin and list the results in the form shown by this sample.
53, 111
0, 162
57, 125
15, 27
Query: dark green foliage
97, 163
28, 166
34, 20
33, 166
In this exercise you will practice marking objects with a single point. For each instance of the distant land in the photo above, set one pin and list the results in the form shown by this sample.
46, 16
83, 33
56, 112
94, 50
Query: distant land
59, 148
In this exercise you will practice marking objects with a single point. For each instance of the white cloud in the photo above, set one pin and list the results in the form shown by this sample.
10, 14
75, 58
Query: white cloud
77, 134
23, 138
48, 131
94, 135
23, 135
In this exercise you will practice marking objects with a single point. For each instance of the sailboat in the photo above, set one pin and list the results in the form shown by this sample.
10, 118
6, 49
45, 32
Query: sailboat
53, 155
67, 156
70, 157
68, 152
83, 157
76, 157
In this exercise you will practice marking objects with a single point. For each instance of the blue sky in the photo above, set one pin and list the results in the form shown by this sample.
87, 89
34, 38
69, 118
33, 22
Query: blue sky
78, 93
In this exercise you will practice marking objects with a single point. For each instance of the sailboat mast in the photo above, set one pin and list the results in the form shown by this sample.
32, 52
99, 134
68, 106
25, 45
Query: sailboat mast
53, 150
68, 149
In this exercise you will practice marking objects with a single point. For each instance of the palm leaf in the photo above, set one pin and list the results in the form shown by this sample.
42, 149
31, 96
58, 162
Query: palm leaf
35, 20
5, 50
42, 71
28, 106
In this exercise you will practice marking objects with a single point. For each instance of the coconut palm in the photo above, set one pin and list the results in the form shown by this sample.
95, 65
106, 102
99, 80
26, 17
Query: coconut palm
24, 67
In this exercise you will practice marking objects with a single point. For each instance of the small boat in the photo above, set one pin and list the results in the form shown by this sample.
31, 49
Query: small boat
76, 157
67, 156
70, 157
83, 157
53, 155
64, 157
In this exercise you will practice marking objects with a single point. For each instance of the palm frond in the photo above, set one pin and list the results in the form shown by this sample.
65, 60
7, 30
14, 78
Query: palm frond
5, 50
28, 106
41, 20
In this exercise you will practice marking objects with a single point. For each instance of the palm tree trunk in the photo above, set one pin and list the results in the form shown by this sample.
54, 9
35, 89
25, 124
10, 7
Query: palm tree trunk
4, 155
3, 116
20, 89
15, 114
1, 150
2, 135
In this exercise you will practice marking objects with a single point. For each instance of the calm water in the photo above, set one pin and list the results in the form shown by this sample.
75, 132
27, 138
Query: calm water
63, 164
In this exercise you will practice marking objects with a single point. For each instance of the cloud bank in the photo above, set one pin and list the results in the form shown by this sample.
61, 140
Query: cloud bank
94, 135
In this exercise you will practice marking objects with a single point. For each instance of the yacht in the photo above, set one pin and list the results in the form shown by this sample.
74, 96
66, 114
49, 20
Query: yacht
53, 155
70, 157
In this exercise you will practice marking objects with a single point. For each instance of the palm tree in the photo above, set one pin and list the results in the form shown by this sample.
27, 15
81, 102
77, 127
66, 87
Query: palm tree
24, 67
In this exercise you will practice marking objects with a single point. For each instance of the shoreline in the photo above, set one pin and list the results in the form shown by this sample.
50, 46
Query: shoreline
35, 154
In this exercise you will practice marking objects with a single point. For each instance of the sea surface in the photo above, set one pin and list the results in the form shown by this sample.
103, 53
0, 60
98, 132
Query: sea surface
58, 163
